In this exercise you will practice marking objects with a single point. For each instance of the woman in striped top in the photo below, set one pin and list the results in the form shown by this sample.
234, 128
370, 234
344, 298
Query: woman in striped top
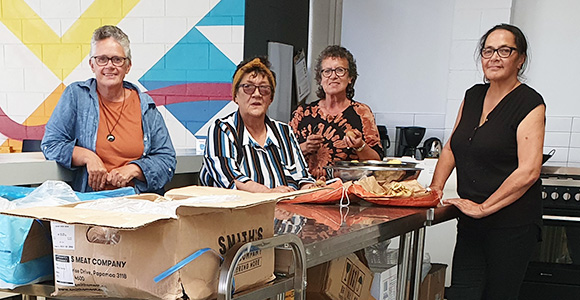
248, 151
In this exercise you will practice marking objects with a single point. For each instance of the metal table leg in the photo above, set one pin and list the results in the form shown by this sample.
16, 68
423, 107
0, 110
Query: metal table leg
411, 248
403, 267
418, 252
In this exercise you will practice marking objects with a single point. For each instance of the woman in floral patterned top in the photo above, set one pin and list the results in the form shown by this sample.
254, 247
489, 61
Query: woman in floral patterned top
335, 127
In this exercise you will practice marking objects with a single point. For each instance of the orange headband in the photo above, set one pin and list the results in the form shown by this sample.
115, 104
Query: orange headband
255, 63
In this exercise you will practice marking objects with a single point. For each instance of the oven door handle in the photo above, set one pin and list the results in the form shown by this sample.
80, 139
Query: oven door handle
561, 218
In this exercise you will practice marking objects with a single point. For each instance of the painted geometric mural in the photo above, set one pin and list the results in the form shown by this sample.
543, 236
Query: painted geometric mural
184, 55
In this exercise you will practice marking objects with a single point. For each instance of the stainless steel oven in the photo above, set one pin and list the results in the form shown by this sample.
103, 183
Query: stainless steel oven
554, 271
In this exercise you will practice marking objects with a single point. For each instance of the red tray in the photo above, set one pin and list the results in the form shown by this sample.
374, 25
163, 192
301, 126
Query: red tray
329, 194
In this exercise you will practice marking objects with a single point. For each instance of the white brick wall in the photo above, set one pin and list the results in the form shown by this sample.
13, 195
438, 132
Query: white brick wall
153, 26
471, 20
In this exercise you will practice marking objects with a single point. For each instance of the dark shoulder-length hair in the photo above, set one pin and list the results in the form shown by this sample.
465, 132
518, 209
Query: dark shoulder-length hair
520, 40
336, 51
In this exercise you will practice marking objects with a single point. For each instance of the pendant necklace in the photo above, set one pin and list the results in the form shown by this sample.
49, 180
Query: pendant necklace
110, 136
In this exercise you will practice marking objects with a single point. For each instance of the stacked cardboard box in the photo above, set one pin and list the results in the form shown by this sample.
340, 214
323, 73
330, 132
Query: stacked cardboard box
433, 286
344, 278
385, 283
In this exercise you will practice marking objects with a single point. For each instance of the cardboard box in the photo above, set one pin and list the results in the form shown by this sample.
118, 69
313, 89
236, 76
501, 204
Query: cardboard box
289, 295
132, 249
344, 278
384, 285
433, 287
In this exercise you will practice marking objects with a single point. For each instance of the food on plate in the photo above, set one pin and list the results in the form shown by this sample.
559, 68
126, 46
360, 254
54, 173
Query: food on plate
370, 184
405, 188
397, 189
401, 189
394, 161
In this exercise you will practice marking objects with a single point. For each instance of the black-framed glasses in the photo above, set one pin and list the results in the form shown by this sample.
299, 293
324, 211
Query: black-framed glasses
503, 52
340, 71
249, 89
103, 60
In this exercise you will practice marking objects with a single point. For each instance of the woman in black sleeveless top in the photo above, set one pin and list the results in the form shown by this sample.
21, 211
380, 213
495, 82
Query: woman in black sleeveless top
496, 148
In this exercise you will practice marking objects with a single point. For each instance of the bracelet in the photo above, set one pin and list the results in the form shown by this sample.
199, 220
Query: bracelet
361, 147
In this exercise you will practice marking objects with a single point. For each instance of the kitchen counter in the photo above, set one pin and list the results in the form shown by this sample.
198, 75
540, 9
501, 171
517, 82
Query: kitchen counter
32, 168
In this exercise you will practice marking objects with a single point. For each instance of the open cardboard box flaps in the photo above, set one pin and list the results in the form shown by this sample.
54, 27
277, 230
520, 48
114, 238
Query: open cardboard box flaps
145, 245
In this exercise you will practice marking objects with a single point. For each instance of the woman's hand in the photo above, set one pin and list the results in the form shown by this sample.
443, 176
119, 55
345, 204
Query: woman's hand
97, 173
282, 189
312, 144
467, 207
437, 190
120, 177
254, 187
94, 165
353, 139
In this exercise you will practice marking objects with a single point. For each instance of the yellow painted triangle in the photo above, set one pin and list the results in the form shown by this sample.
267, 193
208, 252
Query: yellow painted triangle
39, 117
61, 54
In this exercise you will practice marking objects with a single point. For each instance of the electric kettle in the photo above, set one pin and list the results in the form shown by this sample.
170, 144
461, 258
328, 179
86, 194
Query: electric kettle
432, 148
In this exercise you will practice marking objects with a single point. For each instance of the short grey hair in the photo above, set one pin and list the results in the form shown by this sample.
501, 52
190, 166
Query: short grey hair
111, 31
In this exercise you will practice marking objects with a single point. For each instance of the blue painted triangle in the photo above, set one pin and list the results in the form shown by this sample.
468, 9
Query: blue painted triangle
193, 59
227, 12
193, 115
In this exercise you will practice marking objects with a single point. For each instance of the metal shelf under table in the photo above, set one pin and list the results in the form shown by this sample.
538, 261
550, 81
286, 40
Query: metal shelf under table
330, 231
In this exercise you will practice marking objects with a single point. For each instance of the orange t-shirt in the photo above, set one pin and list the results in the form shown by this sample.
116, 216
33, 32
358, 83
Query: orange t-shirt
128, 132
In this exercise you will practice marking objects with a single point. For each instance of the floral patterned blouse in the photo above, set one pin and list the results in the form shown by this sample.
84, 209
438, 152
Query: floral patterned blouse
310, 119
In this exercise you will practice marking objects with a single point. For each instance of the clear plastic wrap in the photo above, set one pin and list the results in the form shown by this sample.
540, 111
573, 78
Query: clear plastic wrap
14, 230
50, 193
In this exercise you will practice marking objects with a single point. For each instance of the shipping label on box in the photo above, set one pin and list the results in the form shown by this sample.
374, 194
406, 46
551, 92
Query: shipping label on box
353, 277
384, 283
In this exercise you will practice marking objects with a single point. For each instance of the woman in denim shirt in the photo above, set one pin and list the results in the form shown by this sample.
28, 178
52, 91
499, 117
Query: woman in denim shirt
105, 130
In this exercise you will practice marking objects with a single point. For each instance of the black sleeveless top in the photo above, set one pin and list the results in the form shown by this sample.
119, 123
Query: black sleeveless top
485, 156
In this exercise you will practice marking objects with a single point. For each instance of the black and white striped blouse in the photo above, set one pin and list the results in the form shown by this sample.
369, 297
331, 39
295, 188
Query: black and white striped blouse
232, 154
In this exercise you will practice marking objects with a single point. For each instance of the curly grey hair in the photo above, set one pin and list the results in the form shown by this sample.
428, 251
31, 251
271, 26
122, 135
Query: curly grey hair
110, 31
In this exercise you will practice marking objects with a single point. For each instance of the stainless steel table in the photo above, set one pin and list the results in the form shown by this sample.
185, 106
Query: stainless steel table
330, 231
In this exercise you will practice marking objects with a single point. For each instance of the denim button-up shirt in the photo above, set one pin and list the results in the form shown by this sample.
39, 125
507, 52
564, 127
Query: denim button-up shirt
75, 120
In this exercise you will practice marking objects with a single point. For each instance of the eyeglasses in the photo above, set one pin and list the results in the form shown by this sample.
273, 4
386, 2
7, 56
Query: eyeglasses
103, 60
503, 52
340, 71
249, 89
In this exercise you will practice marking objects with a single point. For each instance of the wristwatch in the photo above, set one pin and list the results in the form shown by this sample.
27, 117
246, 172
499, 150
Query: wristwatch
361, 147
